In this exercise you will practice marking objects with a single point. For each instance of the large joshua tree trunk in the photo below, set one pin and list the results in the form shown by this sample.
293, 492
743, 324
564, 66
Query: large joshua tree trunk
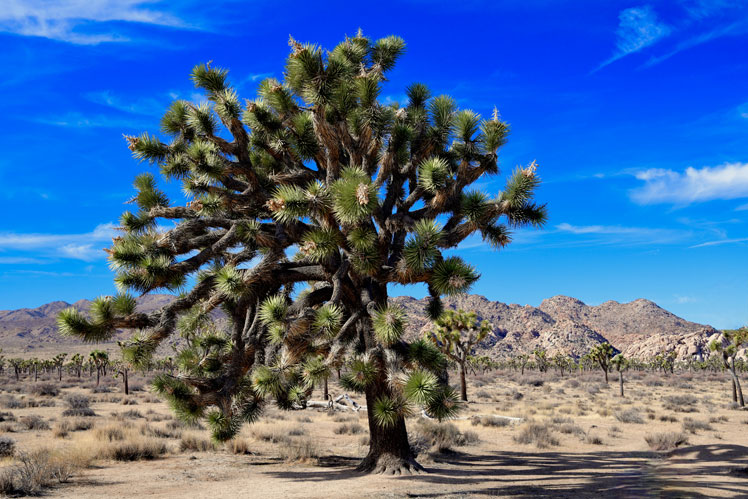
463, 381
736, 382
389, 449
620, 381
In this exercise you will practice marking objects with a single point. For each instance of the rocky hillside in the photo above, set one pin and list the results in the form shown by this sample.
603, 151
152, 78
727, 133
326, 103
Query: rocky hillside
560, 324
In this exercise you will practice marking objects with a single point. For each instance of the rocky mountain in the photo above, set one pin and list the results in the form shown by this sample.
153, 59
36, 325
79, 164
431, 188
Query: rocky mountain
563, 324
560, 324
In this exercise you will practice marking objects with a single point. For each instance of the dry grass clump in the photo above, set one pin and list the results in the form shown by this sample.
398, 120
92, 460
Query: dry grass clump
110, 433
719, 419
349, 429
300, 450
65, 426
629, 416
694, 425
35, 471
594, 439
33, 422
539, 434
271, 434
7, 416
665, 441
490, 421
45, 389
196, 443
680, 403
668, 418
238, 446
441, 437
7, 446
134, 449
78, 406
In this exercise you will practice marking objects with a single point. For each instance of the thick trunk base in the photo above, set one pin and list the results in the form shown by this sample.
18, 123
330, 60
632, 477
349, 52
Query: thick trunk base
389, 464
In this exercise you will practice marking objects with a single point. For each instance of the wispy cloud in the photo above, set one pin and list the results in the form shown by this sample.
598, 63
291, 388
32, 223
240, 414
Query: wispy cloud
147, 106
721, 242
638, 27
83, 22
86, 246
617, 234
727, 181
75, 119
731, 29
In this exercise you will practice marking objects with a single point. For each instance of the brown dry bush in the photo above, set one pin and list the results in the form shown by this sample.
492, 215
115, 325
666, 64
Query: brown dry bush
7, 446
195, 443
441, 437
349, 429
694, 425
490, 421
629, 416
665, 441
539, 434
134, 449
33, 422
300, 450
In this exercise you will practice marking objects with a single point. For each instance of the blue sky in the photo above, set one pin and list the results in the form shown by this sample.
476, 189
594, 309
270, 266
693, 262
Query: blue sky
636, 112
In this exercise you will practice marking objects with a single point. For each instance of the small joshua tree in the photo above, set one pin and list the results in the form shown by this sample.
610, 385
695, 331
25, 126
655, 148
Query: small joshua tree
735, 339
541, 359
562, 363
522, 360
601, 354
76, 363
455, 334
99, 359
314, 183
620, 363
58, 362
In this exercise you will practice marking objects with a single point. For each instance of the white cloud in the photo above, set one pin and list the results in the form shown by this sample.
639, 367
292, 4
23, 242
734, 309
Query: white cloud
617, 234
638, 27
86, 246
685, 299
742, 207
78, 21
79, 120
727, 181
147, 107
721, 242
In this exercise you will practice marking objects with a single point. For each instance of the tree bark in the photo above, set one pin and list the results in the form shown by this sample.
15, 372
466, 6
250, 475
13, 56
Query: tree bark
736, 382
127, 386
463, 383
620, 381
325, 393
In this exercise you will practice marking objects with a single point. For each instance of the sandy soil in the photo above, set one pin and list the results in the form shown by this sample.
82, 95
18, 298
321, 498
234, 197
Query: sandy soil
595, 452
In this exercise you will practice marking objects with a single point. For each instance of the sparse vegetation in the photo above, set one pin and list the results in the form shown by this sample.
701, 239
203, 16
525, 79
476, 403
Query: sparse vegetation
665, 441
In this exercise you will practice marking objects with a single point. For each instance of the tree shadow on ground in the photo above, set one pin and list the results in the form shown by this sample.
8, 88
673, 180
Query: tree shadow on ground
698, 471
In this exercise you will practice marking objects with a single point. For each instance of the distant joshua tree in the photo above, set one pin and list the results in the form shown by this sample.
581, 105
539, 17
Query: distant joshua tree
736, 338
59, 362
99, 359
522, 360
601, 354
541, 359
621, 363
455, 334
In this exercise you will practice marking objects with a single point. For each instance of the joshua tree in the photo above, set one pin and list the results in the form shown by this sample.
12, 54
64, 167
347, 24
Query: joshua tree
99, 360
601, 354
522, 360
76, 362
562, 362
455, 334
58, 362
17, 365
541, 359
621, 363
316, 167
735, 338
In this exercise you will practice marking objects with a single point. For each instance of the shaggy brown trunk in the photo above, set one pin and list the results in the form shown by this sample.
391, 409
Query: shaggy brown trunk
127, 386
325, 394
463, 383
736, 382
389, 449
16, 370
98, 376
620, 381
606, 374
734, 389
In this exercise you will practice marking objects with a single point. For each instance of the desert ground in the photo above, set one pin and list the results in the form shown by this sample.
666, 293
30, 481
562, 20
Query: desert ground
574, 437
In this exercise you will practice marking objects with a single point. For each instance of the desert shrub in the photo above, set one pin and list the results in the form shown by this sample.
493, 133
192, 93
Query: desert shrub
110, 433
629, 416
272, 435
34, 422
238, 446
343, 418
572, 383
12, 402
441, 437
7, 446
719, 419
296, 431
45, 389
159, 432
614, 431
77, 401
531, 381
83, 412
195, 443
665, 441
570, 429
349, 429
129, 401
136, 387
135, 449
483, 394
100, 389
47, 402
155, 417
65, 426
680, 403
593, 389
653, 381
7, 416
299, 450
694, 425
34, 472
131, 414
491, 421
668, 418
593, 439
517, 395
539, 434
304, 419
